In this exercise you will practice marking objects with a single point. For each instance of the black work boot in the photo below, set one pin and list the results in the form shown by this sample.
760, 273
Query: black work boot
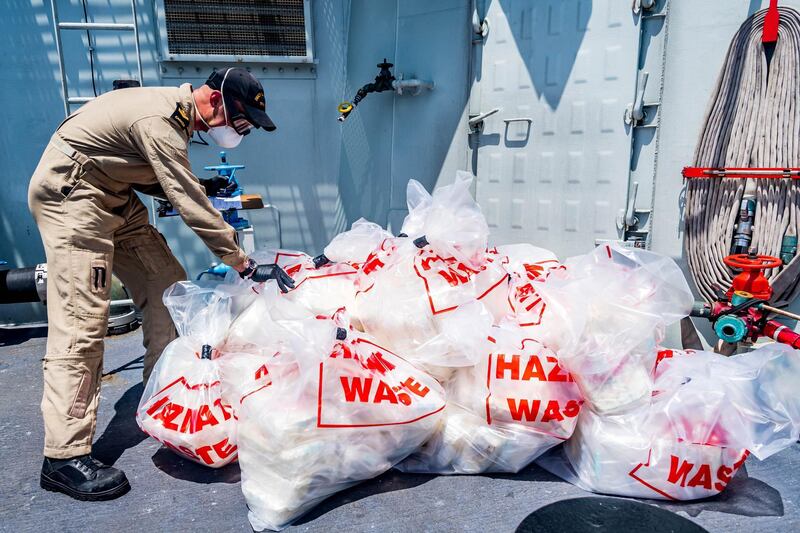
83, 478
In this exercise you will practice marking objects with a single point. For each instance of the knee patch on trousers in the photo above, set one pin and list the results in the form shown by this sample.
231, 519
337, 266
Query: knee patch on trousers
71, 383
69, 401
82, 395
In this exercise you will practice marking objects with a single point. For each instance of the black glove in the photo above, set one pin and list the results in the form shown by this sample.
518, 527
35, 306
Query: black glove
261, 273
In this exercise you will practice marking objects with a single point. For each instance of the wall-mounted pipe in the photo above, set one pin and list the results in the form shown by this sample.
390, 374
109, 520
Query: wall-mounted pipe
412, 86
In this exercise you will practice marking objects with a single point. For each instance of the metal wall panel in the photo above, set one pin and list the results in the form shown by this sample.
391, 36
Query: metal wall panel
570, 67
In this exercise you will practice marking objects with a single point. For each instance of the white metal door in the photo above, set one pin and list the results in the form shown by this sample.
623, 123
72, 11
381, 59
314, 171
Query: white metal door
553, 164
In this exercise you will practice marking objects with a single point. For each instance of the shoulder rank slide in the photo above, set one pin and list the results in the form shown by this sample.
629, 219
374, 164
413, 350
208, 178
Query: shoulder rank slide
181, 117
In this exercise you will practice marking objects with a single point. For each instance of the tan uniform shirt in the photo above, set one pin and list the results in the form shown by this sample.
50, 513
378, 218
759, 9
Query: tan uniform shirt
139, 138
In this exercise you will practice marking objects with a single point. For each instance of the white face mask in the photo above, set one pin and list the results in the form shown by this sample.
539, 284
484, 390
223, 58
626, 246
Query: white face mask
224, 136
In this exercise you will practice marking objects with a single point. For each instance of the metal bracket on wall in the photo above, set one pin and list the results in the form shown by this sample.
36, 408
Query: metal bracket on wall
642, 5
642, 118
410, 86
630, 219
635, 112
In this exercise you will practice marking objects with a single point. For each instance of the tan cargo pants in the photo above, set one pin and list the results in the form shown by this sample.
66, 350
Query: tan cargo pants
88, 232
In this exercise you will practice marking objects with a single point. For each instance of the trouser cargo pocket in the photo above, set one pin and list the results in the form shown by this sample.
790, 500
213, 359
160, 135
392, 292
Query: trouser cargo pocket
91, 272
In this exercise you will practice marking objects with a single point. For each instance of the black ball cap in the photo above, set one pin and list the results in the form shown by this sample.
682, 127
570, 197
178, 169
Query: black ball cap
243, 88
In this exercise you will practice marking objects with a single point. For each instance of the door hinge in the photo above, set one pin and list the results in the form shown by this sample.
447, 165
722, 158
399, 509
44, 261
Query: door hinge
633, 224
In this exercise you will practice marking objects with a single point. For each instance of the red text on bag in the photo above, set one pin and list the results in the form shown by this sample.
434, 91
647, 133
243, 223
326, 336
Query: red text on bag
511, 367
686, 474
176, 417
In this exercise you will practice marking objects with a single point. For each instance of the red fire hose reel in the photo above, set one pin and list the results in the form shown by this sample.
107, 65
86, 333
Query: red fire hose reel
741, 172
742, 313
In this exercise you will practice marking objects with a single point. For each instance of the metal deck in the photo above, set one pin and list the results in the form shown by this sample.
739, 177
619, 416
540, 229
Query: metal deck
170, 494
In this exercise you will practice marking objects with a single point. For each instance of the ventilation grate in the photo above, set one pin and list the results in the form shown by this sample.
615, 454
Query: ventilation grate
236, 27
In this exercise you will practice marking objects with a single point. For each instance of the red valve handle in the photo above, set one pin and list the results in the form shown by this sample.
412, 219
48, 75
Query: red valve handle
747, 262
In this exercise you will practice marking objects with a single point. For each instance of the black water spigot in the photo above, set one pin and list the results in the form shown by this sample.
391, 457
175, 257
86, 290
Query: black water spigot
384, 79
383, 82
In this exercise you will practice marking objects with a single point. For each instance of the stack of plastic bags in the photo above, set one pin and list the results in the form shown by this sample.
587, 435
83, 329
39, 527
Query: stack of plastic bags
434, 295
670, 424
433, 352
605, 314
326, 283
417, 293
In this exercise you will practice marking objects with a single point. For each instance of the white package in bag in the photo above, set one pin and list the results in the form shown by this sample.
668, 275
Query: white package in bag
606, 311
335, 414
422, 305
269, 327
503, 413
183, 406
708, 414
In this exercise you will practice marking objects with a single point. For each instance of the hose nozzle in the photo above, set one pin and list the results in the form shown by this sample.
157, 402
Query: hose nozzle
345, 108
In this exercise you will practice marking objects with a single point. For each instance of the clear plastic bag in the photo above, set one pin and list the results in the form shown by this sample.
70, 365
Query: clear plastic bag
418, 294
502, 413
183, 406
492, 285
747, 401
606, 311
450, 220
505, 285
422, 305
337, 413
708, 414
272, 325
355, 245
